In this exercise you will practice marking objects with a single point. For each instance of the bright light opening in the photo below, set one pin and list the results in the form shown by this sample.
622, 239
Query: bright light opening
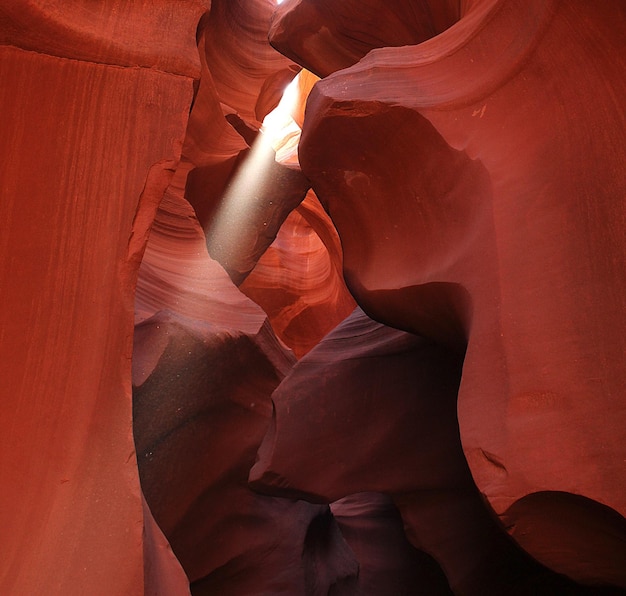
246, 205
279, 128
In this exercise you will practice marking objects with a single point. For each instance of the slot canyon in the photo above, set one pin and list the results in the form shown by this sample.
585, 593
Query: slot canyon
309, 298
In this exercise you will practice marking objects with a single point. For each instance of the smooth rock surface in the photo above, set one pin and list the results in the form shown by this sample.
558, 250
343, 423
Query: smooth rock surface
199, 417
505, 231
458, 173
87, 151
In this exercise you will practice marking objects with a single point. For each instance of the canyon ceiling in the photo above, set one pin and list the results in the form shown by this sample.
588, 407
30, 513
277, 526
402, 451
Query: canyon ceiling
318, 297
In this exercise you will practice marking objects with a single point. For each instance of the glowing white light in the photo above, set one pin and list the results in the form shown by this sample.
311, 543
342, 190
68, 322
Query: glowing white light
233, 235
279, 128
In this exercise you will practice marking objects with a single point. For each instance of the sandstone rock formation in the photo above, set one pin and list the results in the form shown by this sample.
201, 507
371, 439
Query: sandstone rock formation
496, 233
94, 108
372, 347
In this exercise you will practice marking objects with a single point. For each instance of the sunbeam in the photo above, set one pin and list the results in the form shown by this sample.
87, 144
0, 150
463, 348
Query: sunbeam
266, 187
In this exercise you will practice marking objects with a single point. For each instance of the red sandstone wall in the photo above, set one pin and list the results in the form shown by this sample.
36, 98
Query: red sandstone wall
94, 109
460, 178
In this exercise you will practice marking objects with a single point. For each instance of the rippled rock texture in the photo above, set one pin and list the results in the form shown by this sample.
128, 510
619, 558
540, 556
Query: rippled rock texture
324, 297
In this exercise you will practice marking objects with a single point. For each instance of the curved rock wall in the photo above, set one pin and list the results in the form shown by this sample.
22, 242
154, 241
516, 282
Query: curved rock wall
378, 338
93, 120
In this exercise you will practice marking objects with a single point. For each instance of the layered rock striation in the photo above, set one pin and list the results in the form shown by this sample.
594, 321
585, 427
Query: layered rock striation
312, 298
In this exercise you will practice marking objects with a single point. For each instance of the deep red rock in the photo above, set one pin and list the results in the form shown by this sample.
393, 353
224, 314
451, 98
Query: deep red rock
113, 32
286, 254
328, 35
378, 405
198, 420
87, 149
298, 280
505, 228
331, 437
356, 397
388, 563
467, 163
205, 363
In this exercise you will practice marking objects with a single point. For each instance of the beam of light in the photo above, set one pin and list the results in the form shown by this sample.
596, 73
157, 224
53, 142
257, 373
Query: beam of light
243, 222
279, 128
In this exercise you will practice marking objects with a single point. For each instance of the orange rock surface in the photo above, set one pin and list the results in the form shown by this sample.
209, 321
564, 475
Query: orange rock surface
93, 123
268, 333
